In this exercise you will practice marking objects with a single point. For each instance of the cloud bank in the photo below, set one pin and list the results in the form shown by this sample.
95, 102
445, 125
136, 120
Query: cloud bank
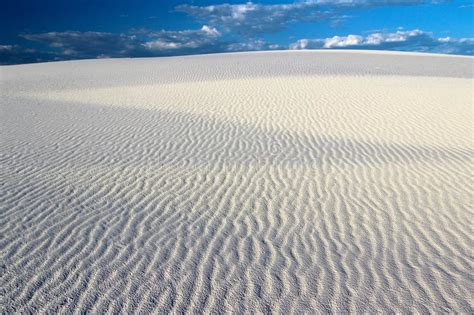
251, 18
135, 43
414, 40
71, 45
86, 44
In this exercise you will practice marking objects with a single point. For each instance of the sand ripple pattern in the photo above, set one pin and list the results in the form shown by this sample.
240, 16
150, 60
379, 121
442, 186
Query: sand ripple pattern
316, 188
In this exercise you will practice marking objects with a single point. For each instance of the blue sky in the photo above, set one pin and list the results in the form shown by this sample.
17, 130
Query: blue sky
37, 31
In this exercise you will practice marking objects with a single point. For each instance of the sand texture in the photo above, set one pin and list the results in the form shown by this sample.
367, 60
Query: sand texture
270, 182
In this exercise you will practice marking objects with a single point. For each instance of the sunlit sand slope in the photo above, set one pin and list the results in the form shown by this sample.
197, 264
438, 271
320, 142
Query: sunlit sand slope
257, 182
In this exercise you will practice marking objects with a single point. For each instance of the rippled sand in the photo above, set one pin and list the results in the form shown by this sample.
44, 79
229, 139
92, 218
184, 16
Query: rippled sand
256, 182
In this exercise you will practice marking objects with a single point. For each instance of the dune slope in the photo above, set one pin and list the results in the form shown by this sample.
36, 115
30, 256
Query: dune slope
256, 182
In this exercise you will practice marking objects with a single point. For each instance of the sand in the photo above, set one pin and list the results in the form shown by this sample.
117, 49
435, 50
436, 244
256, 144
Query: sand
282, 182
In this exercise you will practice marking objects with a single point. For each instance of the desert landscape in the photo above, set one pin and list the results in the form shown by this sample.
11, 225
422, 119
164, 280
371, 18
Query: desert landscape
259, 182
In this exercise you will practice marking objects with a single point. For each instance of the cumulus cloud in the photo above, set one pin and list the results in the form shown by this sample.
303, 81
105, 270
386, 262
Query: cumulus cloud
251, 18
252, 45
211, 31
414, 40
187, 39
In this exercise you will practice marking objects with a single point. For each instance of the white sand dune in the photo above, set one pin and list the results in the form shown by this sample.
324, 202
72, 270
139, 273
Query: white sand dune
283, 182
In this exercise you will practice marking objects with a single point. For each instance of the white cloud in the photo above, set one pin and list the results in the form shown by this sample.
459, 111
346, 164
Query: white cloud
161, 45
413, 40
186, 39
337, 41
372, 39
251, 18
211, 31
252, 45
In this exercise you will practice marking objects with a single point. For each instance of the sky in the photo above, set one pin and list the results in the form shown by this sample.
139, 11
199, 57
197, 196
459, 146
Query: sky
52, 30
